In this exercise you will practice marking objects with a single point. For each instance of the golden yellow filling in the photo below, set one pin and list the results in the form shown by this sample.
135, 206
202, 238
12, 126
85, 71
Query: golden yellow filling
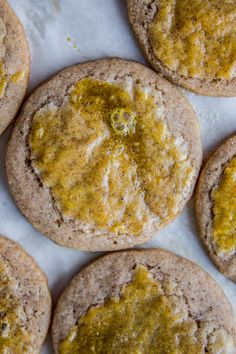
142, 320
18, 76
3, 81
13, 338
224, 199
6, 78
196, 38
108, 159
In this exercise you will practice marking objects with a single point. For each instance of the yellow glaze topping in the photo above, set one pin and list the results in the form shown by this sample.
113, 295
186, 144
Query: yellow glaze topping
224, 199
13, 338
108, 159
18, 76
196, 38
3, 81
142, 320
6, 78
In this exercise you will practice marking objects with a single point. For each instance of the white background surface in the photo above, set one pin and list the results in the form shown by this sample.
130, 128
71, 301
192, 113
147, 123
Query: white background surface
99, 28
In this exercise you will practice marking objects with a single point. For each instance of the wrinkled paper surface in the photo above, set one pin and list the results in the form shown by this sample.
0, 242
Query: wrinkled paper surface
66, 32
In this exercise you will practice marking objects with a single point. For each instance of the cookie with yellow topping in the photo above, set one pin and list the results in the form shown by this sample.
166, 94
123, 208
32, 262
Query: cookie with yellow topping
216, 207
14, 64
143, 301
192, 43
103, 155
25, 301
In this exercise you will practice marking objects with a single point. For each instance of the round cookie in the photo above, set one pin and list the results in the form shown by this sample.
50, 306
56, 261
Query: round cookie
215, 207
14, 64
148, 301
191, 43
126, 170
25, 301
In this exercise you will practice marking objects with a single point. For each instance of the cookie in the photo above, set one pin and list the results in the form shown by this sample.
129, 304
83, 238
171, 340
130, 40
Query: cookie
14, 64
216, 207
191, 43
143, 301
103, 155
25, 301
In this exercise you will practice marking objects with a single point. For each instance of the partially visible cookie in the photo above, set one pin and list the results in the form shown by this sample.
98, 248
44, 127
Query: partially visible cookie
103, 155
14, 64
143, 301
25, 301
216, 207
192, 43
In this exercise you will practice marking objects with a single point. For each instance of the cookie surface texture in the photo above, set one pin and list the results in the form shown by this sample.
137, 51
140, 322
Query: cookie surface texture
216, 207
25, 301
143, 301
14, 64
191, 43
103, 155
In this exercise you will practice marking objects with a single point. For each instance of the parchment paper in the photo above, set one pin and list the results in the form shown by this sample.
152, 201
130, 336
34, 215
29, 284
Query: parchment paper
66, 32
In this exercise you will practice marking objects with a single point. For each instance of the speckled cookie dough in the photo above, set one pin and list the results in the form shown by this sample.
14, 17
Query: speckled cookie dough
14, 64
25, 301
154, 303
113, 151
216, 207
191, 42
13, 336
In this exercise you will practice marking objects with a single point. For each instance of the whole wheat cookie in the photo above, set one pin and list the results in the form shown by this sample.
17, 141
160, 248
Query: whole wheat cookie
14, 64
25, 301
192, 43
143, 301
103, 155
216, 207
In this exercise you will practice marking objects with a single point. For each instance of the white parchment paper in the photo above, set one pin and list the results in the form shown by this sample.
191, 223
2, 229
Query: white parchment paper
97, 29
